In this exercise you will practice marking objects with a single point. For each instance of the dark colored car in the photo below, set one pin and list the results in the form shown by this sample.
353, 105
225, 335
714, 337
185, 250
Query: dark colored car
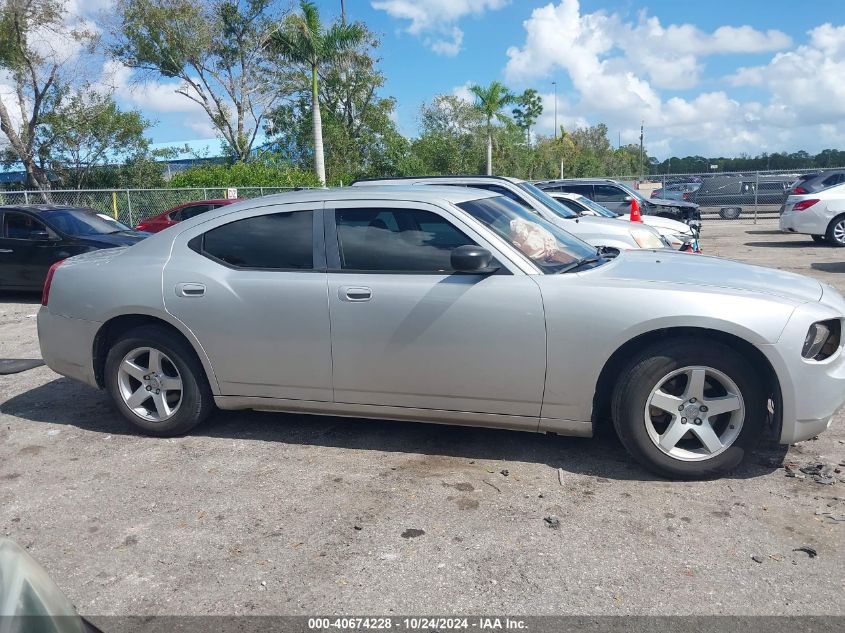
617, 196
34, 237
183, 212
733, 191
811, 183
677, 191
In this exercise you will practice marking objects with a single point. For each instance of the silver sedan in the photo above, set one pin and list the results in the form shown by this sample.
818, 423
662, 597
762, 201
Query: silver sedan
447, 305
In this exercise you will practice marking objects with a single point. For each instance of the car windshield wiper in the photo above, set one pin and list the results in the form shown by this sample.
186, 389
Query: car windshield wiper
580, 262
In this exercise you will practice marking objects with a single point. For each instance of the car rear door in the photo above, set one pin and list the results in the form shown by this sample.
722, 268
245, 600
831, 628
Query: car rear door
27, 250
410, 333
612, 197
253, 291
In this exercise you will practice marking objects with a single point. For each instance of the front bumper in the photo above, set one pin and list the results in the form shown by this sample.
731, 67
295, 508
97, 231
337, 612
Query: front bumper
802, 222
812, 391
67, 345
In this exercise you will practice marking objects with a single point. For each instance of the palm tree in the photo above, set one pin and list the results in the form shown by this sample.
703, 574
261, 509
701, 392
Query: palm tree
491, 100
305, 40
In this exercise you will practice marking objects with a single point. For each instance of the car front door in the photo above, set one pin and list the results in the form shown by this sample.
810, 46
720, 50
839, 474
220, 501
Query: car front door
253, 291
408, 332
27, 250
614, 198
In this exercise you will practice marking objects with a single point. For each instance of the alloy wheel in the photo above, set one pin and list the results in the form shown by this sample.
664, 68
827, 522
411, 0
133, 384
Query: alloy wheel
694, 413
839, 232
150, 384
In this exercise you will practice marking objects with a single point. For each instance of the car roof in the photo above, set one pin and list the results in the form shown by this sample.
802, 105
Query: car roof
425, 179
455, 195
564, 194
39, 208
573, 181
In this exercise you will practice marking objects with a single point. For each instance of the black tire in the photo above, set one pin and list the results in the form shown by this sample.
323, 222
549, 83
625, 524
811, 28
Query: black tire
730, 213
837, 222
197, 400
642, 374
819, 239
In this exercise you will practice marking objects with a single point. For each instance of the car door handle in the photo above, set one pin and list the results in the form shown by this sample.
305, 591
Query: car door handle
190, 290
6, 250
355, 293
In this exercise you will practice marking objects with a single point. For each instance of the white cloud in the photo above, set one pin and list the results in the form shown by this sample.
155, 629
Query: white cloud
464, 92
436, 20
619, 71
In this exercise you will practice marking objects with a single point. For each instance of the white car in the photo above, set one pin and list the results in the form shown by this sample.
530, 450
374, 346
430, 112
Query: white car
676, 233
599, 232
820, 214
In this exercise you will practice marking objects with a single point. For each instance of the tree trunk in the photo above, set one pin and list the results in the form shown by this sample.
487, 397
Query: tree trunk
489, 153
319, 161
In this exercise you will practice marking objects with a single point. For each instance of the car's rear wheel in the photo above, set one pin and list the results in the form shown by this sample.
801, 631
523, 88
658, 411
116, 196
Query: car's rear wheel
730, 213
819, 239
836, 231
157, 381
689, 411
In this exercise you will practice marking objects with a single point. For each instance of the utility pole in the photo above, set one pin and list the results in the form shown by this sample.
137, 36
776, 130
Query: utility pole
642, 124
343, 12
554, 83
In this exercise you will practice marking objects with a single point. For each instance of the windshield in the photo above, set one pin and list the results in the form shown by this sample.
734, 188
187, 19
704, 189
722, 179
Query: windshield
631, 192
595, 206
549, 247
547, 200
82, 222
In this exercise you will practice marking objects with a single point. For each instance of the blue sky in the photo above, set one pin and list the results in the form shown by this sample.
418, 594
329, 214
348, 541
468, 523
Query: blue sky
708, 77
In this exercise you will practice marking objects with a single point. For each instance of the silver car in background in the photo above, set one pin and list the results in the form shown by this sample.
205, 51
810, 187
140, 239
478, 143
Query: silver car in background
600, 232
448, 305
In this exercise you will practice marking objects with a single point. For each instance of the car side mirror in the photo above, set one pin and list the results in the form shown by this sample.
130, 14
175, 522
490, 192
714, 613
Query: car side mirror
471, 259
627, 199
41, 236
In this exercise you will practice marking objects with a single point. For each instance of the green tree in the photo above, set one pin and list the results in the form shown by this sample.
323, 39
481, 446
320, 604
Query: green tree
304, 40
38, 68
528, 110
490, 101
267, 169
88, 131
360, 138
451, 139
217, 48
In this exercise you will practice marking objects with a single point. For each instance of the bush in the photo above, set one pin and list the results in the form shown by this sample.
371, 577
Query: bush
266, 170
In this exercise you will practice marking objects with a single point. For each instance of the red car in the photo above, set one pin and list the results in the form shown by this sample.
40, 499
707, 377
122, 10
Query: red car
182, 212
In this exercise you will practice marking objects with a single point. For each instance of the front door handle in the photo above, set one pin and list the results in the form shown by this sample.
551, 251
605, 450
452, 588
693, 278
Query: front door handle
190, 290
355, 293
6, 250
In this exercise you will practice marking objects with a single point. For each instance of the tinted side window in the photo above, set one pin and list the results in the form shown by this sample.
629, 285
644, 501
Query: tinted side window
835, 179
609, 193
407, 240
584, 190
273, 241
188, 212
20, 226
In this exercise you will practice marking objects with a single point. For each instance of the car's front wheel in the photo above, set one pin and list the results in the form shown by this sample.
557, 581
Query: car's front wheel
689, 410
836, 231
157, 382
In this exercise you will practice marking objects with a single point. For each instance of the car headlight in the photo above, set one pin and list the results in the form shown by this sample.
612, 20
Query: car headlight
822, 340
675, 240
646, 239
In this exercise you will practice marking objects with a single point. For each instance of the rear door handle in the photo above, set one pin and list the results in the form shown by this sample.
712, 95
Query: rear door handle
6, 250
355, 293
190, 290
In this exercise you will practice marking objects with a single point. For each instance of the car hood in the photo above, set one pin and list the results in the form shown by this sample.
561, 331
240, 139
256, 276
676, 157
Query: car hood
600, 226
124, 238
660, 202
662, 223
700, 270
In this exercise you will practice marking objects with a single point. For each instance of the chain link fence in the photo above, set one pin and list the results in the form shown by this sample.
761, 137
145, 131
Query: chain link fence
130, 206
726, 195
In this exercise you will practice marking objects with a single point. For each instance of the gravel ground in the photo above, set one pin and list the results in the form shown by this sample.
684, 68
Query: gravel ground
258, 513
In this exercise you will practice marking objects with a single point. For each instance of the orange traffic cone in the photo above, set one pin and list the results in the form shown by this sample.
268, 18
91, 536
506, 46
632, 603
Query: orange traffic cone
635, 211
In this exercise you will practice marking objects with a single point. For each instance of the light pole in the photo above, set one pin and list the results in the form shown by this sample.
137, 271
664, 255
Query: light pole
554, 83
